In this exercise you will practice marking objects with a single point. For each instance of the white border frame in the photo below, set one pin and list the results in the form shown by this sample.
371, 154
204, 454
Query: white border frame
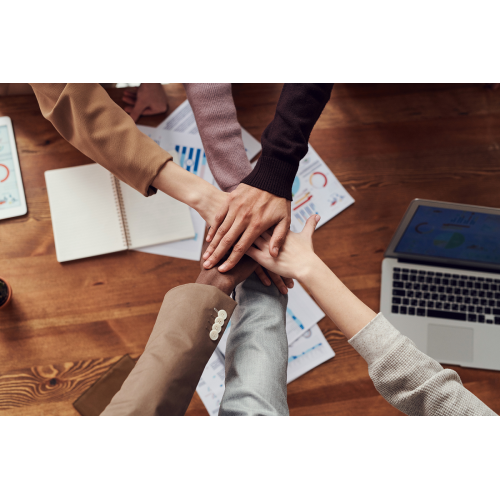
23, 209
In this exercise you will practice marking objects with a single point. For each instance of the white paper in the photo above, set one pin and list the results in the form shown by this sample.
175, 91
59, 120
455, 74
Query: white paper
307, 352
301, 314
191, 156
183, 120
316, 191
211, 385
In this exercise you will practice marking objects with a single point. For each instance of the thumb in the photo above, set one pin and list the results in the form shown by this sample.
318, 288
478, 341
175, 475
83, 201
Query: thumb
278, 238
310, 226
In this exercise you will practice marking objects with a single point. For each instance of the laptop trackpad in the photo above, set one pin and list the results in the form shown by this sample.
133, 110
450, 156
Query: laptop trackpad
450, 343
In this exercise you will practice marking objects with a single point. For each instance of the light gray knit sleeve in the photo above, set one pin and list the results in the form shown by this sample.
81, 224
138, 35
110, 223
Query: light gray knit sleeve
410, 380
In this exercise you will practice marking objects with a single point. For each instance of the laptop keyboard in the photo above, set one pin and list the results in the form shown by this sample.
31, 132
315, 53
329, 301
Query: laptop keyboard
448, 296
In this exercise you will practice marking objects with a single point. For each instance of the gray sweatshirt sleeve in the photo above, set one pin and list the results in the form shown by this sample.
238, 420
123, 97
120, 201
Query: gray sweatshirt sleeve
410, 380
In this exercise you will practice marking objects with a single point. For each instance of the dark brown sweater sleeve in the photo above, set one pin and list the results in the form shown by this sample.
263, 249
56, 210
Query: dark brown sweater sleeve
285, 140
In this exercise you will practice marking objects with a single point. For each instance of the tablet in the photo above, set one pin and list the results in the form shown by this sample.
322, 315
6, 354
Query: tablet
12, 199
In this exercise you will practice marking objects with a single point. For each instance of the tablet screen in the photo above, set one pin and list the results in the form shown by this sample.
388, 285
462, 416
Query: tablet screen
9, 184
452, 234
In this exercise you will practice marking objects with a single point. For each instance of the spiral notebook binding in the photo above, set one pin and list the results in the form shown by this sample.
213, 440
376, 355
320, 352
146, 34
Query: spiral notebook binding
121, 210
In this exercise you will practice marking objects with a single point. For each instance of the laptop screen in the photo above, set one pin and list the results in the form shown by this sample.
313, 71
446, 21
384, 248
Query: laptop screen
452, 234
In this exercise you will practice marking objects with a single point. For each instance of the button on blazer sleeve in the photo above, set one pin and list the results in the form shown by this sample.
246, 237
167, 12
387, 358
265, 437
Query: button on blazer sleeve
166, 375
85, 115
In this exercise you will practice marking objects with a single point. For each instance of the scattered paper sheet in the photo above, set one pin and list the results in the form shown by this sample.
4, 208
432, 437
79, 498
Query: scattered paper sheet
316, 191
211, 385
183, 120
191, 156
307, 352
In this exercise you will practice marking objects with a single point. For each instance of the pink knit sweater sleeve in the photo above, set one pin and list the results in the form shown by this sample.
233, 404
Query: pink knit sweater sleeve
215, 114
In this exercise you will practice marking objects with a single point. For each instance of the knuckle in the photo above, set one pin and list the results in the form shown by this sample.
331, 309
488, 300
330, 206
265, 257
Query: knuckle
239, 248
227, 240
218, 218
222, 231
255, 225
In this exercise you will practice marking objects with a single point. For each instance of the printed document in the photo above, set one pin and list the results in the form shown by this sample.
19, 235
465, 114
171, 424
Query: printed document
316, 191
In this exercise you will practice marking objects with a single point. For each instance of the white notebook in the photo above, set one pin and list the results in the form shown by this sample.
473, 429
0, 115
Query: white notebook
93, 213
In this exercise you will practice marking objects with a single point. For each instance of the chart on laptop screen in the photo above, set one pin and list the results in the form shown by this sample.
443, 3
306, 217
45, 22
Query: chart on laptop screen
452, 234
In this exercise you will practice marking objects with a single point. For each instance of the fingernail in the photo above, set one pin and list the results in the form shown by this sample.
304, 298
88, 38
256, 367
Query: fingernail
317, 218
222, 268
206, 256
276, 249
292, 284
284, 290
209, 238
206, 264
267, 283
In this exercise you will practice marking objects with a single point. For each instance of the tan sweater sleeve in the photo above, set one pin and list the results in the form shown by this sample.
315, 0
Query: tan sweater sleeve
164, 379
85, 115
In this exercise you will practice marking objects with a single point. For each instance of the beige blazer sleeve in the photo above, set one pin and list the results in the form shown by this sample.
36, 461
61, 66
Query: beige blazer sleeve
85, 115
166, 375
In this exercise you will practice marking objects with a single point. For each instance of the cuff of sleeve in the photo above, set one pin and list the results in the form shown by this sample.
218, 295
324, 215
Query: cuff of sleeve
148, 189
375, 339
274, 176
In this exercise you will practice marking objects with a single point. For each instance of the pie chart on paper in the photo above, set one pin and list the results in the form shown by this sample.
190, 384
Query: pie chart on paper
4, 172
295, 186
318, 180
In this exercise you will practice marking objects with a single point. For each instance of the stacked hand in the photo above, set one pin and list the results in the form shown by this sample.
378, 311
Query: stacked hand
246, 214
227, 282
148, 99
296, 255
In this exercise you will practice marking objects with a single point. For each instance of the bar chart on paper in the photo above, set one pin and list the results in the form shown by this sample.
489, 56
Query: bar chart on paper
316, 190
192, 159
307, 352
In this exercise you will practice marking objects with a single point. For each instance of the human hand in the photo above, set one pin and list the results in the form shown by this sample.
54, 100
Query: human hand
226, 282
295, 256
248, 212
148, 99
266, 276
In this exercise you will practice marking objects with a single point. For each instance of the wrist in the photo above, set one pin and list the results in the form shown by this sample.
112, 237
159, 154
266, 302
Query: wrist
214, 278
310, 269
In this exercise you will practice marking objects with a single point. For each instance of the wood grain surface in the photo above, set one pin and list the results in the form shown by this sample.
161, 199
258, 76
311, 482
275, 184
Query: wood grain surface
387, 144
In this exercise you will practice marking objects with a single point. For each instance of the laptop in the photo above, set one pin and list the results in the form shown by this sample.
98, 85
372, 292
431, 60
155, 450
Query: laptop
441, 282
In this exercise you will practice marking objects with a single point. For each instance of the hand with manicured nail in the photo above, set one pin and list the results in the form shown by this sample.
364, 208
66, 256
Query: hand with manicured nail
296, 254
249, 212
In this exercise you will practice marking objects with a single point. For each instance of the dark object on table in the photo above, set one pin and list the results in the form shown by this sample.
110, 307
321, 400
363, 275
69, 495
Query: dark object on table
95, 399
5, 293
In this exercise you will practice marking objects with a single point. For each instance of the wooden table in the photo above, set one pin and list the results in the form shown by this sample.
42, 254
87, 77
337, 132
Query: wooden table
387, 144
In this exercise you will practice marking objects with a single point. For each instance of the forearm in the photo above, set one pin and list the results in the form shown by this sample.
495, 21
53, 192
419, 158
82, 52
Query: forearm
348, 312
220, 132
190, 189
410, 380
285, 140
87, 118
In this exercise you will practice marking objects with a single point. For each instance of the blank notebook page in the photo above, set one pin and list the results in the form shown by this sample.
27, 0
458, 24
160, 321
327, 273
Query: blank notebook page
154, 219
84, 210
